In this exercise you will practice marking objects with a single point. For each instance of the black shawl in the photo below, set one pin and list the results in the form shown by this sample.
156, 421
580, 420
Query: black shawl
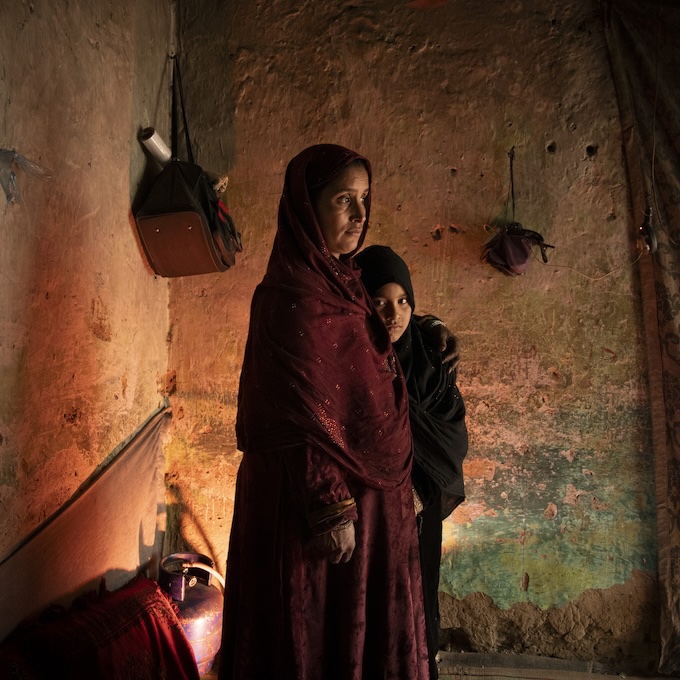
436, 408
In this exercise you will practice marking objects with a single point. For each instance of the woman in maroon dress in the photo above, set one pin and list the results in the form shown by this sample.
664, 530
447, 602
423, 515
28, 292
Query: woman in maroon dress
323, 577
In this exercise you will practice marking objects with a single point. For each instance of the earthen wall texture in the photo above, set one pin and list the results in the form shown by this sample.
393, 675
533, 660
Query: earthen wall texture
83, 320
554, 551
558, 525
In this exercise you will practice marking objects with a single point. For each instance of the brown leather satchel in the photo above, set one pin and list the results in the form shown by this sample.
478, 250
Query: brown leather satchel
184, 227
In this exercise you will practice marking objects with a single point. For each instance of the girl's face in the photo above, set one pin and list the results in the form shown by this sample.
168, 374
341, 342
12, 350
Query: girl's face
340, 209
394, 309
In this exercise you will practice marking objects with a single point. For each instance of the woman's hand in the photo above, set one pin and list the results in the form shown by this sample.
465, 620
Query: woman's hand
338, 544
448, 345
445, 339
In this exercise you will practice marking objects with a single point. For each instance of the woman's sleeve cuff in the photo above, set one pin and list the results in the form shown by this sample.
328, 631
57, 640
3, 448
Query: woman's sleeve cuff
330, 516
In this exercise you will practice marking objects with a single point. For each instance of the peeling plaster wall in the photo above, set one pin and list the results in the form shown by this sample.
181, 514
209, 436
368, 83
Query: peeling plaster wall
554, 551
83, 321
556, 542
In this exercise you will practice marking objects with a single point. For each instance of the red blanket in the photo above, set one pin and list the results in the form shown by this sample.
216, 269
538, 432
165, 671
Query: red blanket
130, 634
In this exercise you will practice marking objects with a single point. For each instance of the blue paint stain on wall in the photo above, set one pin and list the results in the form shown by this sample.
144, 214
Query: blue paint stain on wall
558, 520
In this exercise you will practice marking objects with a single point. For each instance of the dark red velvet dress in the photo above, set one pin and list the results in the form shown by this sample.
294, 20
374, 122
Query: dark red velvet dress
322, 419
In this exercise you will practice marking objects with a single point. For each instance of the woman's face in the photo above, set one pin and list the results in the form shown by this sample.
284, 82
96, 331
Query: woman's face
394, 309
340, 209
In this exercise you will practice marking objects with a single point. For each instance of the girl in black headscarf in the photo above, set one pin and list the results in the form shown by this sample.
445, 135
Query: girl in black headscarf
437, 415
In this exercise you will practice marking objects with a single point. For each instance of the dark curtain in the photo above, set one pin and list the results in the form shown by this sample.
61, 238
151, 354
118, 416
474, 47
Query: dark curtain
642, 39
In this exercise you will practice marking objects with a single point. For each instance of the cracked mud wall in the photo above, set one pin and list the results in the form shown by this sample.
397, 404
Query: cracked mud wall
83, 321
554, 551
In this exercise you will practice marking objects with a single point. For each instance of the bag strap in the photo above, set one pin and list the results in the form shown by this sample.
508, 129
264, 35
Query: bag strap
178, 91
535, 238
511, 156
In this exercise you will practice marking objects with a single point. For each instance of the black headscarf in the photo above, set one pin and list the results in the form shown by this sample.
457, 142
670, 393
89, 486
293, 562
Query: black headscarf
436, 408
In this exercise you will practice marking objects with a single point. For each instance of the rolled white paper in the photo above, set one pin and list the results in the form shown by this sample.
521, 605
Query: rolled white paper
155, 145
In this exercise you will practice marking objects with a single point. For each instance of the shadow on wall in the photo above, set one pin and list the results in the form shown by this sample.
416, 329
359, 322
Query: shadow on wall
179, 514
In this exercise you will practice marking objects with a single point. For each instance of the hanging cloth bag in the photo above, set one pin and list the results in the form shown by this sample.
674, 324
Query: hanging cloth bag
184, 226
510, 249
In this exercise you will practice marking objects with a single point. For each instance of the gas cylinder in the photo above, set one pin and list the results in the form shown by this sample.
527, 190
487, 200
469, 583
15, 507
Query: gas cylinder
189, 578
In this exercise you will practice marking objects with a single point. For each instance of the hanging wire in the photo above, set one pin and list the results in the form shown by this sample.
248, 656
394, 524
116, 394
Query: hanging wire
592, 278
511, 155
646, 229
647, 226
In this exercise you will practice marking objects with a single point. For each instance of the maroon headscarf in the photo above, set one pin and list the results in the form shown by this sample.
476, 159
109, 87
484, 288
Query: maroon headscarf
319, 368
